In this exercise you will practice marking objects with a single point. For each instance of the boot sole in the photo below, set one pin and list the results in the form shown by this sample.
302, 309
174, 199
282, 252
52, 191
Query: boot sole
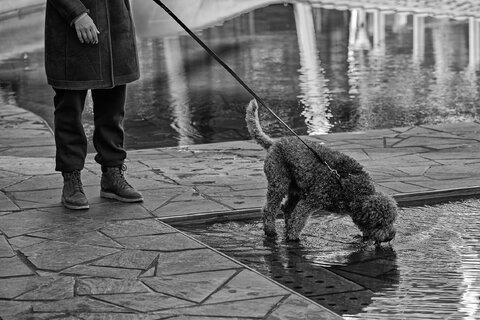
109, 195
74, 207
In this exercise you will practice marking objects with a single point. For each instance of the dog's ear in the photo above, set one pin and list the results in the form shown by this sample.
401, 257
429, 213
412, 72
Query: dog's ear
378, 209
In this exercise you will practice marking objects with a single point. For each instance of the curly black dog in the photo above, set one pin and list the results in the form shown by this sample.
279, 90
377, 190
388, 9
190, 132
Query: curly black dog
300, 183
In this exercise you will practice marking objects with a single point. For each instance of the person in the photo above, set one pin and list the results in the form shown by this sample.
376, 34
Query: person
90, 45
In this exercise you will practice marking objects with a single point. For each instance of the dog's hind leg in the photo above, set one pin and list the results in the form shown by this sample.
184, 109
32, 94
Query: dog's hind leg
291, 201
271, 209
297, 220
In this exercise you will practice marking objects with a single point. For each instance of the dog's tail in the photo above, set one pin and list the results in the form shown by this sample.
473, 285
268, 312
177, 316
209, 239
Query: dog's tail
254, 127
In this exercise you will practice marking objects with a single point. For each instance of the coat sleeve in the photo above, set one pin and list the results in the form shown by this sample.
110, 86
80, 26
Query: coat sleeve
69, 9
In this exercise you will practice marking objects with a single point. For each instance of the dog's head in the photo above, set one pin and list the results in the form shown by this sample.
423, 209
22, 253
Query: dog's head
375, 215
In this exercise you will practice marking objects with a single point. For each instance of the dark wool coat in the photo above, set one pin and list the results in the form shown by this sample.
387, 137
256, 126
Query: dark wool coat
69, 64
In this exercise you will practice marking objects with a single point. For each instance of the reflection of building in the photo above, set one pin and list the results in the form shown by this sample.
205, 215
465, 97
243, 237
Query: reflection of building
313, 86
474, 42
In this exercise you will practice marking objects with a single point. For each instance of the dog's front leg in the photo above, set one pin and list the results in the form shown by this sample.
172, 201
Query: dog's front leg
297, 220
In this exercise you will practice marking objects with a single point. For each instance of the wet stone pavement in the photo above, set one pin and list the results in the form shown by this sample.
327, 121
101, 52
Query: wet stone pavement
118, 261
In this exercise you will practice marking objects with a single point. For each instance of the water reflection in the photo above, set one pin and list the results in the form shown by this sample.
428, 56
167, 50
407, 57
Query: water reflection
177, 86
313, 85
322, 70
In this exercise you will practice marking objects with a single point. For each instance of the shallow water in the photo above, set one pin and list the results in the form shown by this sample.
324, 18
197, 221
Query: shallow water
431, 270
315, 67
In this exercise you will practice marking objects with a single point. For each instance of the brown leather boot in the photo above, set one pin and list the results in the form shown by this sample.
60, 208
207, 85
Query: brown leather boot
114, 185
73, 196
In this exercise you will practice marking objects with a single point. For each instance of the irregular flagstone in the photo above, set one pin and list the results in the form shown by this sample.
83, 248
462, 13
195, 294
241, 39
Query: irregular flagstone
77, 304
189, 195
5, 249
414, 170
418, 141
295, 307
192, 261
106, 272
130, 228
453, 172
128, 259
154, 199
24, 241
147, 181
246, 285
421, 132
149, 273
13, 308
41, 316
6, 204
47, 198
40, 182
51, 181
30, 151
78, 236
13, 287
13, 267
457, 154
162, 242
194, 286
455, 128
61, 288
28, 166
144, 302
250, 185
8, 179
56, 255
109, 286
107, 210
388, 153
239, 202
19, 223
244, 308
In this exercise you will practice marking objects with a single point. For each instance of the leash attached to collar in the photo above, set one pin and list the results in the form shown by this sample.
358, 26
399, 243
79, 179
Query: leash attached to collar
234, 75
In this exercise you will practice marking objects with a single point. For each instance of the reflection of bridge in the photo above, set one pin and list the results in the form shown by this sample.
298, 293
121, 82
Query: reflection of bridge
203, 13
152, 21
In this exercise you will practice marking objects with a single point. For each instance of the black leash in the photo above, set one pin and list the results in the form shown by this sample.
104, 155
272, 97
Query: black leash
234, 75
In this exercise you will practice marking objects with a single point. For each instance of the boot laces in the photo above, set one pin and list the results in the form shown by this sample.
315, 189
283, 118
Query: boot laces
75, 178
119, 178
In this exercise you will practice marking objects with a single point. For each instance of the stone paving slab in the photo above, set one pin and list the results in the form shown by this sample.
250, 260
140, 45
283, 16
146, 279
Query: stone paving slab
121, 261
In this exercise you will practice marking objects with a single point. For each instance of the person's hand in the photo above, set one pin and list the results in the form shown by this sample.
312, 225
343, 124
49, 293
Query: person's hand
87, 31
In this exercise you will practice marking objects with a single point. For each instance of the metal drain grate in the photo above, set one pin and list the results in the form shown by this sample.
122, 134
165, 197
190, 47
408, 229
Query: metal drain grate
322, 286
